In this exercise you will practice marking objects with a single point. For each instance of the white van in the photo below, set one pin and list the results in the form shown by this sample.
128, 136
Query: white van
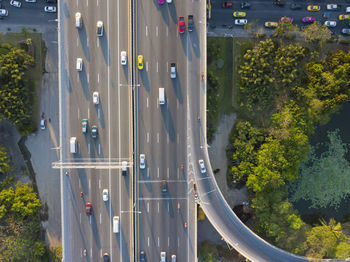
73, 145
79, 64
115, 224
161, 96
78, 20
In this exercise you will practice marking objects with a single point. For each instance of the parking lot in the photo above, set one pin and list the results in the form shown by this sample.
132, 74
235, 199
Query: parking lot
265, 10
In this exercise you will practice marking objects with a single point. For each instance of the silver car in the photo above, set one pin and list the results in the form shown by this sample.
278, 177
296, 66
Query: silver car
123, 58
330, 23
142, 161
202, 166
15, 3
241, 21
163, 256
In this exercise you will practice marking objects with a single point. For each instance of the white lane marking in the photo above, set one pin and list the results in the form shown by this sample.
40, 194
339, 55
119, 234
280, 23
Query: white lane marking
168, 207
178, 241
100, 218
100, 252
157, 67
97, 3
88, 77
156, 30
178, 138
88, 113
98, 78
162, 199
167, 138
77, 3
158, 207
99, 183
87, 2
147, 137
89, 184
147, 102
77, 42
177, 104
148, 241
157, 171
98, 113
146, 30
168, 241
158, 241
167, 171
146, 66
78, 113
147, 207
99, 149
90, 219
90, 250
87, 42
89, 148
157, 103
167, 31
79, 184
158, 138
167, 67
98, 43
178, 173
147, 172
158, 181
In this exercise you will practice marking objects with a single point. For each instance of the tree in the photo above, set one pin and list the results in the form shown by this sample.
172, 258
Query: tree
26, 203
324, 179
285, 29
4, 161
316, 32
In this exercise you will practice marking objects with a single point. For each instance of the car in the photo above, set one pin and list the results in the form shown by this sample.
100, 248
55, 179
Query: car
313, 8
241, 21
15, 3
84, 124
347, 9
195, 190
345, 31
78, 20
30, 1
308, 19
284, 18
50, 9
105, 257
142, 256
173, 258
79, 65
226, 4
51, 1
142, 161
99, 29
344, 17
169, 1
239, 14
105, 194
95, 98
4, 12
271, 24
164, 186
326, 15
295, 6
333, 7
140, 62
124, 168
160, 2
181, 25
88, 209
42, 124
123, 58
202, 166
245, 5
172, 70
330, 23
162, 256
278, 2
94, 131
190, 23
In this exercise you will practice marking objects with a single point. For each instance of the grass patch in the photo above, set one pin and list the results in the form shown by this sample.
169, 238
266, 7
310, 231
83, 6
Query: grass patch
34, 74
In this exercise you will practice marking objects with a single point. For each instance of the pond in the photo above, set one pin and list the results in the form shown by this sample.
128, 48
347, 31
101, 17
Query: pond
341, 121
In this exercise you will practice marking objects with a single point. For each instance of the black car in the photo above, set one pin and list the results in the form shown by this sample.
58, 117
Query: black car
51, 1
105, 257
295, 6
278, 2
190, 23
245, 5
164, 186
142, 256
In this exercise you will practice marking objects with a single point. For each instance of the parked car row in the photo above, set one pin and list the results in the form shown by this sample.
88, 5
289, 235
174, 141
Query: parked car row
18, 4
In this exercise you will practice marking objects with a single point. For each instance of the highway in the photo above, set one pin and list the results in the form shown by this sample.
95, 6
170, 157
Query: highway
102, 72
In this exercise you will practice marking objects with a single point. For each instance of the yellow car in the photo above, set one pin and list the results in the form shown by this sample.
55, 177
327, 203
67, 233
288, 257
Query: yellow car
140, 62
239, 14
344, 17
313, 8
271, 24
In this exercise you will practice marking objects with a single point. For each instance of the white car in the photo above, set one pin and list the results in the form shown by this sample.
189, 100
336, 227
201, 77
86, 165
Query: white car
123, 58
105, 194
4, 12
50, 9
330, 23
30, 1
241, 21
332, 7
347, 9
142, 161
95, 98
15, 3
163, 256
42, 124
172, 70
173, 258
78, 20
169, 1
99, 26
79, 65
202, 166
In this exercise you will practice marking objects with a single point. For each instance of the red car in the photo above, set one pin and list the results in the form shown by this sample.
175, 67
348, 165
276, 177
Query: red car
88, 209
308, 19
160, 2
226, 4
291, 19
181, 25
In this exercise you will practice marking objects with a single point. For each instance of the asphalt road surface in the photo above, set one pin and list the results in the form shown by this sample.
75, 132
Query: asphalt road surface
102, 72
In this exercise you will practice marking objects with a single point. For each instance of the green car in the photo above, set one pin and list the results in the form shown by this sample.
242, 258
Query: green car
94, 131
84, 124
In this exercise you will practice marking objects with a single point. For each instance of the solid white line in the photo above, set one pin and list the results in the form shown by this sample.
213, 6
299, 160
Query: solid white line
90, 247
99, 183
147, 207
167, 171
146, 66
147, 137
147, 102
157, 171
156, 30
158, 138
146, 30
158, 207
